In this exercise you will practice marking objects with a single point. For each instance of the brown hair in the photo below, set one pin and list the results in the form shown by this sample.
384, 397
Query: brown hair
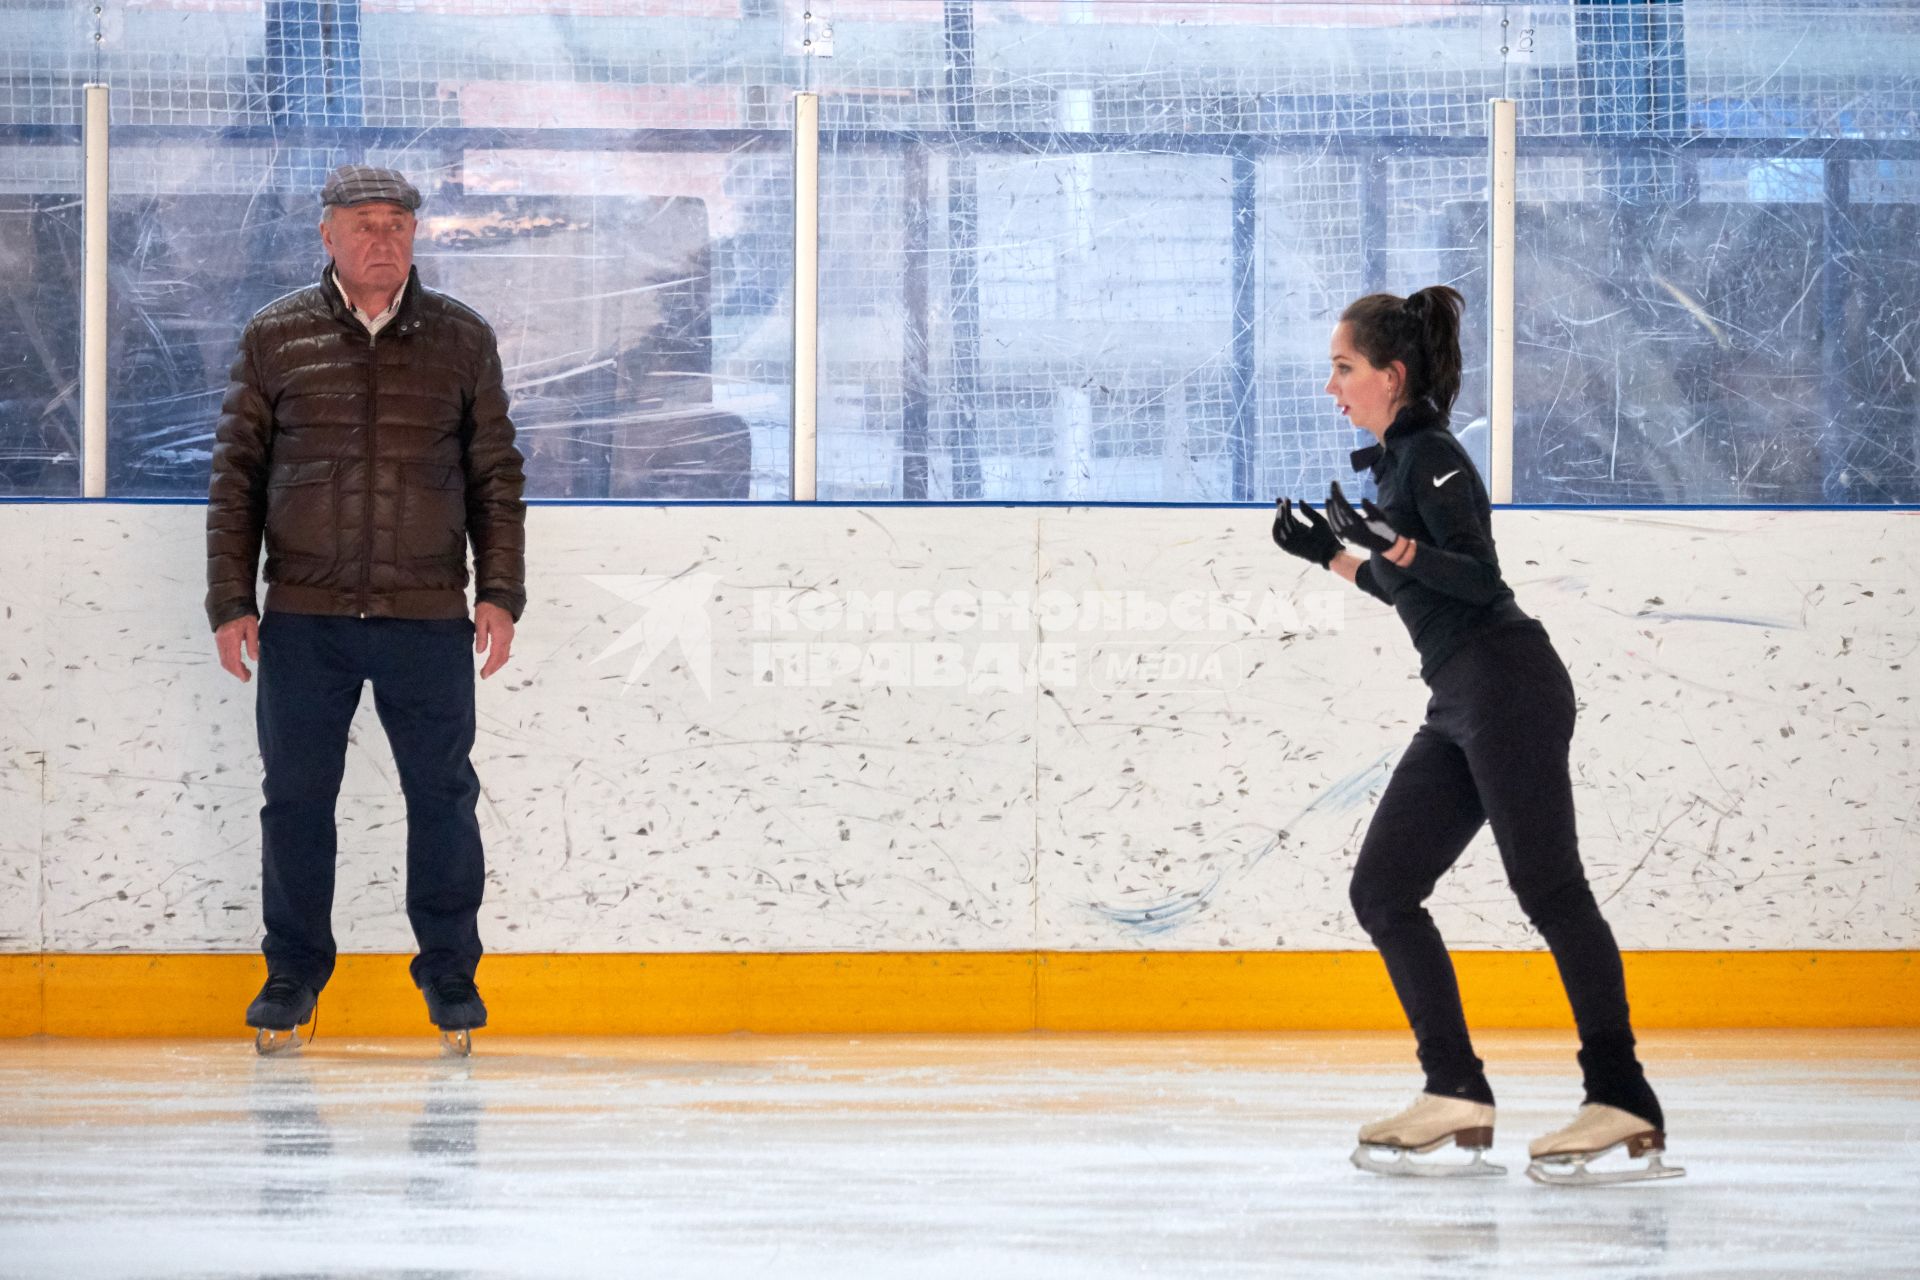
1422, 332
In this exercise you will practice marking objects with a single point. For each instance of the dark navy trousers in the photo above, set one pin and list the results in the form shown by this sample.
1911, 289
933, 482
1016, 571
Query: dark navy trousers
1494, 750
310, 673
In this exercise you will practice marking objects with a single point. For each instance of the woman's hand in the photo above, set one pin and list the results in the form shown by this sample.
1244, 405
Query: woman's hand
1367, 528
1305, 535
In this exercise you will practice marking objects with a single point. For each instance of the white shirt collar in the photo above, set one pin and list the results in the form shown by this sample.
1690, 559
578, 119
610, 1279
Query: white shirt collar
372, 324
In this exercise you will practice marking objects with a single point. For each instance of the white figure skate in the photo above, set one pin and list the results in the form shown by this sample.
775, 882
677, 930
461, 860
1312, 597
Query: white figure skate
1566, 1158
1391, 1146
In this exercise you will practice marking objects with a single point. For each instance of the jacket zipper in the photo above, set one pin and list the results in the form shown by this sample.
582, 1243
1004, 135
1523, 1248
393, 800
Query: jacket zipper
366, 519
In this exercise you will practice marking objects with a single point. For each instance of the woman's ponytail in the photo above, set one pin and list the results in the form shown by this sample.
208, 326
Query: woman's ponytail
1437, 309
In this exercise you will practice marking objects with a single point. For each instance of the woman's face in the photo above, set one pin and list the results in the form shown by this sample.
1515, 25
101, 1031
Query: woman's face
1367, 396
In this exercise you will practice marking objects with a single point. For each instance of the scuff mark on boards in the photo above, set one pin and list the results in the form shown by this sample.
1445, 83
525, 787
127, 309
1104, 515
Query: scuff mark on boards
1170, 912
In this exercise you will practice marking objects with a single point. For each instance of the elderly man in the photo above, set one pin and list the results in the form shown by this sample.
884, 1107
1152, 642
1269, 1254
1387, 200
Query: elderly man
365, 437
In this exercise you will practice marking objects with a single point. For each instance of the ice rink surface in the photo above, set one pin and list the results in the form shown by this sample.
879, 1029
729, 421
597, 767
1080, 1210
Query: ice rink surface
978, 1156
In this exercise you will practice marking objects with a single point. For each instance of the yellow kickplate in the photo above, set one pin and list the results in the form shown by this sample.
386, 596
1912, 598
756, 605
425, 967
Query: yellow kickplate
690, 994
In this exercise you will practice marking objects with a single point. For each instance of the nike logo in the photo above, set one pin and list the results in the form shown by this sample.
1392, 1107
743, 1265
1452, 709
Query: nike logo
1440, 480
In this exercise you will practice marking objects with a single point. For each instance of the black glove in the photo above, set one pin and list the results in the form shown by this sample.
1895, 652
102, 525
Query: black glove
1308, 538
1364, 528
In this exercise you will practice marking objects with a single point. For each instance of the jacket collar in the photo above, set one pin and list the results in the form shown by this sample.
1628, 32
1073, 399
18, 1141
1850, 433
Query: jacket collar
403, 320
1411, 419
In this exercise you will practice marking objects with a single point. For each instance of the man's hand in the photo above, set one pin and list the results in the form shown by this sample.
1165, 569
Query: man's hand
234, 636
493, 636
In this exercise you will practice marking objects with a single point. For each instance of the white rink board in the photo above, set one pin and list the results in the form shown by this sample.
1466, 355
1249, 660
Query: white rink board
1744, 761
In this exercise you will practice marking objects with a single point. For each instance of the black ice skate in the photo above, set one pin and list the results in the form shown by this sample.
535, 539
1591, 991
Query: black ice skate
283, 1005
456, 1008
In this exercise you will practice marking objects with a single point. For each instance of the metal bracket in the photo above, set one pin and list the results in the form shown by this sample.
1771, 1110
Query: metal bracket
806, 28
1516, 31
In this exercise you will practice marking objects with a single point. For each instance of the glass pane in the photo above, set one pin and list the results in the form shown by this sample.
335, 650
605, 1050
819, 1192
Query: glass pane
1071, 249
1715, 276
640, 292
1093, 251
643, 307
47, 54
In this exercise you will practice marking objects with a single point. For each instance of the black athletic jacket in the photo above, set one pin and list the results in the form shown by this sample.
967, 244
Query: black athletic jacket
1430, 492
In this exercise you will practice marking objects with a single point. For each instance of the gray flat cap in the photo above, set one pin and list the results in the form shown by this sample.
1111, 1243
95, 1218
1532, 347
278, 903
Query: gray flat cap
353, 184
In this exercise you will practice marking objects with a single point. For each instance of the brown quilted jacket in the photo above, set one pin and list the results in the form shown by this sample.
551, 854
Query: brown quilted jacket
366, 464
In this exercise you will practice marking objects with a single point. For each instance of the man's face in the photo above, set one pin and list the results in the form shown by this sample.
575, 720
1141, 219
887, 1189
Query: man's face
372, 248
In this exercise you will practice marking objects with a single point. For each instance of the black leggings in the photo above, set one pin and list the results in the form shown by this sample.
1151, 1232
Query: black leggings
1494, 749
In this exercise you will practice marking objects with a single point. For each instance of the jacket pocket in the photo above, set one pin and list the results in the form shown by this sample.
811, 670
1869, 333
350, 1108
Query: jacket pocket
303, 517
433, 514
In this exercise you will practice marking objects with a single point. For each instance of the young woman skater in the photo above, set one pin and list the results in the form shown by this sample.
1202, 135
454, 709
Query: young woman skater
1493, 749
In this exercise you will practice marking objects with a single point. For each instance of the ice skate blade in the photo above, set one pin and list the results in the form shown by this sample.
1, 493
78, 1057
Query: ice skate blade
1398, 1162
1572, 1171
456, 1044
268, 1042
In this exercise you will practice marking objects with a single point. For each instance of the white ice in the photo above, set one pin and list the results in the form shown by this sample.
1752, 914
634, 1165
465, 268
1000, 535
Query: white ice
990, 1156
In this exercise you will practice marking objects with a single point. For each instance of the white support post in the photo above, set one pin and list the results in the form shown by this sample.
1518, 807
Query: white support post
806, 295
1500, 208
93, 303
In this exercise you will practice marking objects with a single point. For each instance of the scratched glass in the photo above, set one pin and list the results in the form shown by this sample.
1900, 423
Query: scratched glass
1093, 251
1716, 272
611, 192
45, 52
1071, 250
40, 321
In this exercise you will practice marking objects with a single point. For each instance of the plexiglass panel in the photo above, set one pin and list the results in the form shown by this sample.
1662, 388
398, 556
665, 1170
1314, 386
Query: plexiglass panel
46, 52
40, 321
1094, 251
1072, 250
1716, 278
610, 188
